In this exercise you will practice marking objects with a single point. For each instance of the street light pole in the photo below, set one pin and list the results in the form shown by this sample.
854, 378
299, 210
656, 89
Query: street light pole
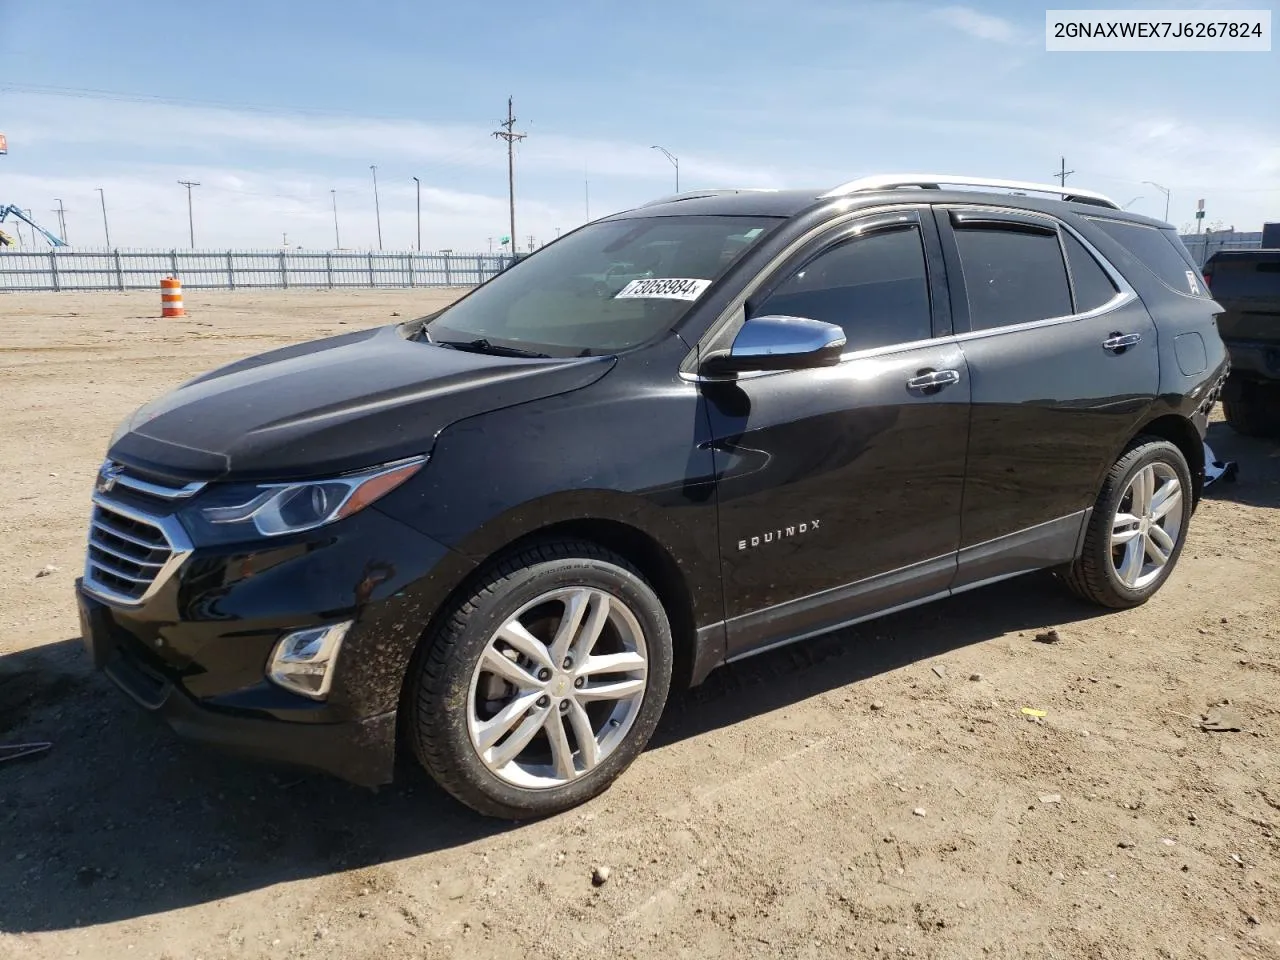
377, 210
337, 240
105, 229
418, 188
675, 162
62, 220
1166, 192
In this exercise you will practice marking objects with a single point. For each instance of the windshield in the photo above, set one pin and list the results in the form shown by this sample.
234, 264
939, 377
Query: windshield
603, 288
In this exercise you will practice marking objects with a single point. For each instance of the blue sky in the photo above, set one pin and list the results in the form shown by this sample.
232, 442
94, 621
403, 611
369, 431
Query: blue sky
270, 105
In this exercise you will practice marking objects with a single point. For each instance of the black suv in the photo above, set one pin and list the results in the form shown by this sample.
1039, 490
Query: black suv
675, 437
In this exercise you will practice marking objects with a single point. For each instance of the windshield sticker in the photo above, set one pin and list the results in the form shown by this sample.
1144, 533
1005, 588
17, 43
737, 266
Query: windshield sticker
663, 289
1191, 282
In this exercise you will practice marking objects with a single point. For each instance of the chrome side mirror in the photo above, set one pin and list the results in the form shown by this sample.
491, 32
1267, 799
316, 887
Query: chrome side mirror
780, 343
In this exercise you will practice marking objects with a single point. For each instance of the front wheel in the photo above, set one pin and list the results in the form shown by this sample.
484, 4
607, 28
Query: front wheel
1137, 529
544, 684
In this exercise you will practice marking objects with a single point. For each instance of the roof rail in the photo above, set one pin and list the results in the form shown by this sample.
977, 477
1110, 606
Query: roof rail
700, 194
934, 181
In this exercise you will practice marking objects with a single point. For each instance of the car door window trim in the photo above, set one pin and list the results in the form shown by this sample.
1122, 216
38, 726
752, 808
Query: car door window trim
734, 314
1125, 293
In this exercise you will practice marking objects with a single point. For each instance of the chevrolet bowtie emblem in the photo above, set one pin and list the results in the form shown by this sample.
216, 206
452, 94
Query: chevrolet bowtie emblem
107, 477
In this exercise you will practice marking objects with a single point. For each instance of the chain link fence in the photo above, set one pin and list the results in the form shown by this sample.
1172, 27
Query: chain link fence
242, 269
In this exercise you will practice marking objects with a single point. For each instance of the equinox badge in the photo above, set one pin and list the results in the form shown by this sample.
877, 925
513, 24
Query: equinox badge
782, 534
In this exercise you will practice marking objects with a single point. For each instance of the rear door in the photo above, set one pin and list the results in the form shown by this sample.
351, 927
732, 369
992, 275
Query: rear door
1063, 362
839, 488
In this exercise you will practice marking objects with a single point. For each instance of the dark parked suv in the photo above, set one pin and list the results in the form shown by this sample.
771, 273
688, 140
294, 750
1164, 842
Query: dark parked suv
676, 437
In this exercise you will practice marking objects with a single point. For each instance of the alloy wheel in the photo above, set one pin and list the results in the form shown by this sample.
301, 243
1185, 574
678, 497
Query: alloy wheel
557, 687
1147, 524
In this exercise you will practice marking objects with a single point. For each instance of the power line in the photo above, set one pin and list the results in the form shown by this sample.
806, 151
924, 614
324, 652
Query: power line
508, 134
191, 222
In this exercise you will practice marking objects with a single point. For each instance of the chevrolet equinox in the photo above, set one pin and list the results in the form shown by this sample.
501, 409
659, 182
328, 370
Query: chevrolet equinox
497, 536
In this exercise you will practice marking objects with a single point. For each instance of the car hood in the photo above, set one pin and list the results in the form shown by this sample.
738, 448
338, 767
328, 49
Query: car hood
331, 405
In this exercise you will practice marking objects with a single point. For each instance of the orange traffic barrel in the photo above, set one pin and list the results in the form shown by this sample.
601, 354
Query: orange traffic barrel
171, 298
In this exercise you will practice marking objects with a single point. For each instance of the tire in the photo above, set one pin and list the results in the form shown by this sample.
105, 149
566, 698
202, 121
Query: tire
465, 719
1097, 575
1255, 412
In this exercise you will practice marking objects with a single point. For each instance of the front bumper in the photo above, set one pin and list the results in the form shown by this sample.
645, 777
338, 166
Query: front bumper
194, 650
360, 751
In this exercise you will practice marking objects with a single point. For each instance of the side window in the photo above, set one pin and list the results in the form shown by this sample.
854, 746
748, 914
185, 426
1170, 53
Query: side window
1012, 275
875, 287
1092, 286
1161, 251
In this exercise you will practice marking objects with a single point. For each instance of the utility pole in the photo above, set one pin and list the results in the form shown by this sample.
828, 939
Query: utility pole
418, 186
531, 243
1063, 173
377, 210
508, 134
337, 240
105, 229
191, 223
62, 220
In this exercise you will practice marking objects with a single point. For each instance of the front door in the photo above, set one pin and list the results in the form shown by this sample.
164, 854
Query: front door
839, 488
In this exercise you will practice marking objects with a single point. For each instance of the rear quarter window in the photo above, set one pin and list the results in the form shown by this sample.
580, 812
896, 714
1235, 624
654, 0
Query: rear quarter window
1161, 252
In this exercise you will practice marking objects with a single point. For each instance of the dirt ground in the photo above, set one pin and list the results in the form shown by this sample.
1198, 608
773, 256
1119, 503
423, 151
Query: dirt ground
872, 793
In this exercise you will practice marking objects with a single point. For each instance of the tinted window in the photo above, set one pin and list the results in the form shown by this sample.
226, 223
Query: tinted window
605, 287
1012, 276
1161, 252
1092, 286
1239, 277
874, 287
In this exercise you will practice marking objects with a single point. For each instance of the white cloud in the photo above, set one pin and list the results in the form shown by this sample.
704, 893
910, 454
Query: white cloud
36, 120
242, 209
984, 26
263, 175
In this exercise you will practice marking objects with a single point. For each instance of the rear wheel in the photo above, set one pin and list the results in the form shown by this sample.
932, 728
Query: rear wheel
543, 684
1138, 526
1253, 409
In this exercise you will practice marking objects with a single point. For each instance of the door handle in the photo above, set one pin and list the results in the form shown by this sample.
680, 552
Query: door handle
1118, 341
933, 380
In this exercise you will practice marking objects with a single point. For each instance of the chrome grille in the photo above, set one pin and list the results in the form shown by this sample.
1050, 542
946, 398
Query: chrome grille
130, 554
111, 475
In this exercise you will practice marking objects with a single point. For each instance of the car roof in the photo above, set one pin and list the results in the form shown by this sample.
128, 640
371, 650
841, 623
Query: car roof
789, 203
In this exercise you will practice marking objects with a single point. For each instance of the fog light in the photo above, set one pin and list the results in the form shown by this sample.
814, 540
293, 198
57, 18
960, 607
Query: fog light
303, 661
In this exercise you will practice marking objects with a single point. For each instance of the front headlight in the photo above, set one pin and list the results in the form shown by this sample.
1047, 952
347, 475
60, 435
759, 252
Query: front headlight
236, 511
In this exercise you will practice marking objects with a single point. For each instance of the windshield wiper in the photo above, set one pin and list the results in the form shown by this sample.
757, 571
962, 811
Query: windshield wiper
481, 345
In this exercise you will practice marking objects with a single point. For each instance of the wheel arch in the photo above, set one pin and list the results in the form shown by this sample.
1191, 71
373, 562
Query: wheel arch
654, 561
1182, 433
